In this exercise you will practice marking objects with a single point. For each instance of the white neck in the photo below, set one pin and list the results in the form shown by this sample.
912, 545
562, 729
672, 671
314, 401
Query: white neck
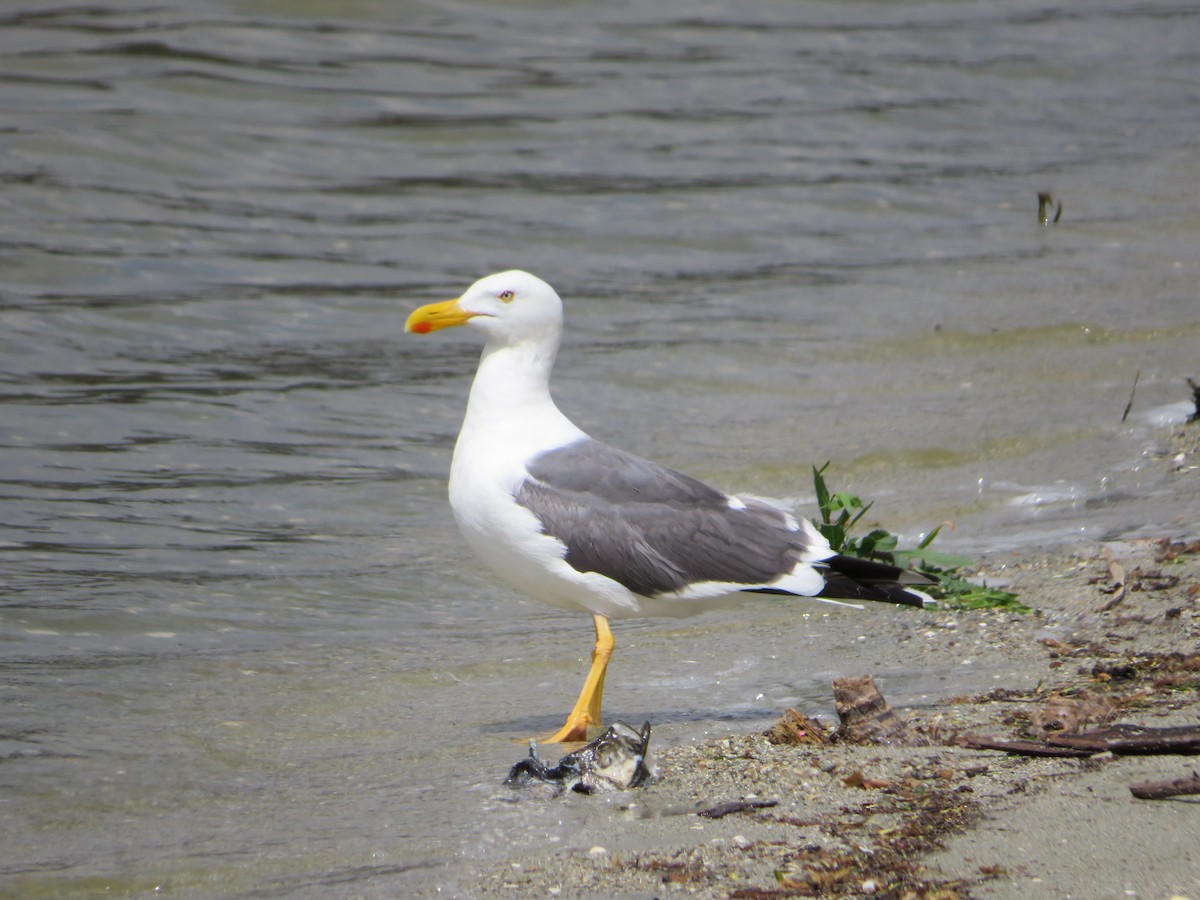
510, 410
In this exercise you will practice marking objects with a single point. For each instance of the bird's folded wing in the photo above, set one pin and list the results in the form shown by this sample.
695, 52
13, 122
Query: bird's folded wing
654, 530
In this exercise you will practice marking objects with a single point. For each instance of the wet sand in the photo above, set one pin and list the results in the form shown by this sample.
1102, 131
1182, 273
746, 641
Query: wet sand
941, 820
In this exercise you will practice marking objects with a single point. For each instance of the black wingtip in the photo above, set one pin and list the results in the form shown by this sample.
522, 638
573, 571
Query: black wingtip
852, 578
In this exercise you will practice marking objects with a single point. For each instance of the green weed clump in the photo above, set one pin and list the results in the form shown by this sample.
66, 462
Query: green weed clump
841, 511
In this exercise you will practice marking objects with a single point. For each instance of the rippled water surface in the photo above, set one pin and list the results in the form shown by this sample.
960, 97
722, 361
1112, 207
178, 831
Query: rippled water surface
243, 651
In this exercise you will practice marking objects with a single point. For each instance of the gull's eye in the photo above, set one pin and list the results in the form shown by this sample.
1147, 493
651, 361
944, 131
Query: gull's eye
507, 296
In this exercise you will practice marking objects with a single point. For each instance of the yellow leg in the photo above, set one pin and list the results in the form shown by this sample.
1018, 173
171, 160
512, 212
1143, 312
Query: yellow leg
587, 708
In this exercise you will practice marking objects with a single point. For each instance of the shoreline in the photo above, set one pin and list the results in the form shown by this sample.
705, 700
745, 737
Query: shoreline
1115, 630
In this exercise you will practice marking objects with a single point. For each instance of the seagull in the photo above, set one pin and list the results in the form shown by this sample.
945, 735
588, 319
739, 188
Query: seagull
577, 524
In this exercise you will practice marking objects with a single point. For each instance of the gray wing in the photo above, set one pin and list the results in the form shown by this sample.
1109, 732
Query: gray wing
652, 529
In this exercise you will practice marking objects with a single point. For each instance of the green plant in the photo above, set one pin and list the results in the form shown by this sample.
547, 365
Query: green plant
841, 511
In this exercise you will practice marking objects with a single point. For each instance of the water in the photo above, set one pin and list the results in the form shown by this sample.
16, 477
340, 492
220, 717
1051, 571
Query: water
243, 651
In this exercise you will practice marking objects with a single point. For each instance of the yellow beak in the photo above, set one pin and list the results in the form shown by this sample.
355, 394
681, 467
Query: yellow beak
433, 316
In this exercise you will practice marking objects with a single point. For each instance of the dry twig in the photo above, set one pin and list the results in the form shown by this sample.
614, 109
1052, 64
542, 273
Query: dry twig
1161, 790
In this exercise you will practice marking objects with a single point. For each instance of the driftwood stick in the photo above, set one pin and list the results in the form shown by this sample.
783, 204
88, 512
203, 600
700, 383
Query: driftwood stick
1161, 790
1025, 748
1120, 739
1133, 739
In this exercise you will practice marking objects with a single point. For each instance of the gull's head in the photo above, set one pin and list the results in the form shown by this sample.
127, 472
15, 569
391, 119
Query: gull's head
508, 307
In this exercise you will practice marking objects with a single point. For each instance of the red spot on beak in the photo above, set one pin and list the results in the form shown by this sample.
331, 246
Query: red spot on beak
421, 328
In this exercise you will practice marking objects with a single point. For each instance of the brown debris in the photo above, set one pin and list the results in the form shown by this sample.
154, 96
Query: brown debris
1161, 790
1055, 646
1116, 571
674, 871
721, 810
1023, 748
840, 876
888, 868
1068, 715
859, 780
1123, 740
1138, 578
1156, 671
866, 716
1106, 670
1176, 671
819, 872
796, 728
1134, 739
1153, 580
1166, 550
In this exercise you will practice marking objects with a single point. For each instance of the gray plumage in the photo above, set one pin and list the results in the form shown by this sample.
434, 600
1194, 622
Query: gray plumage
650, 528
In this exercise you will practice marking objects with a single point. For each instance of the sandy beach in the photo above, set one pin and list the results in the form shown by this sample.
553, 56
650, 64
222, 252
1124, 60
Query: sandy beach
1114, 638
